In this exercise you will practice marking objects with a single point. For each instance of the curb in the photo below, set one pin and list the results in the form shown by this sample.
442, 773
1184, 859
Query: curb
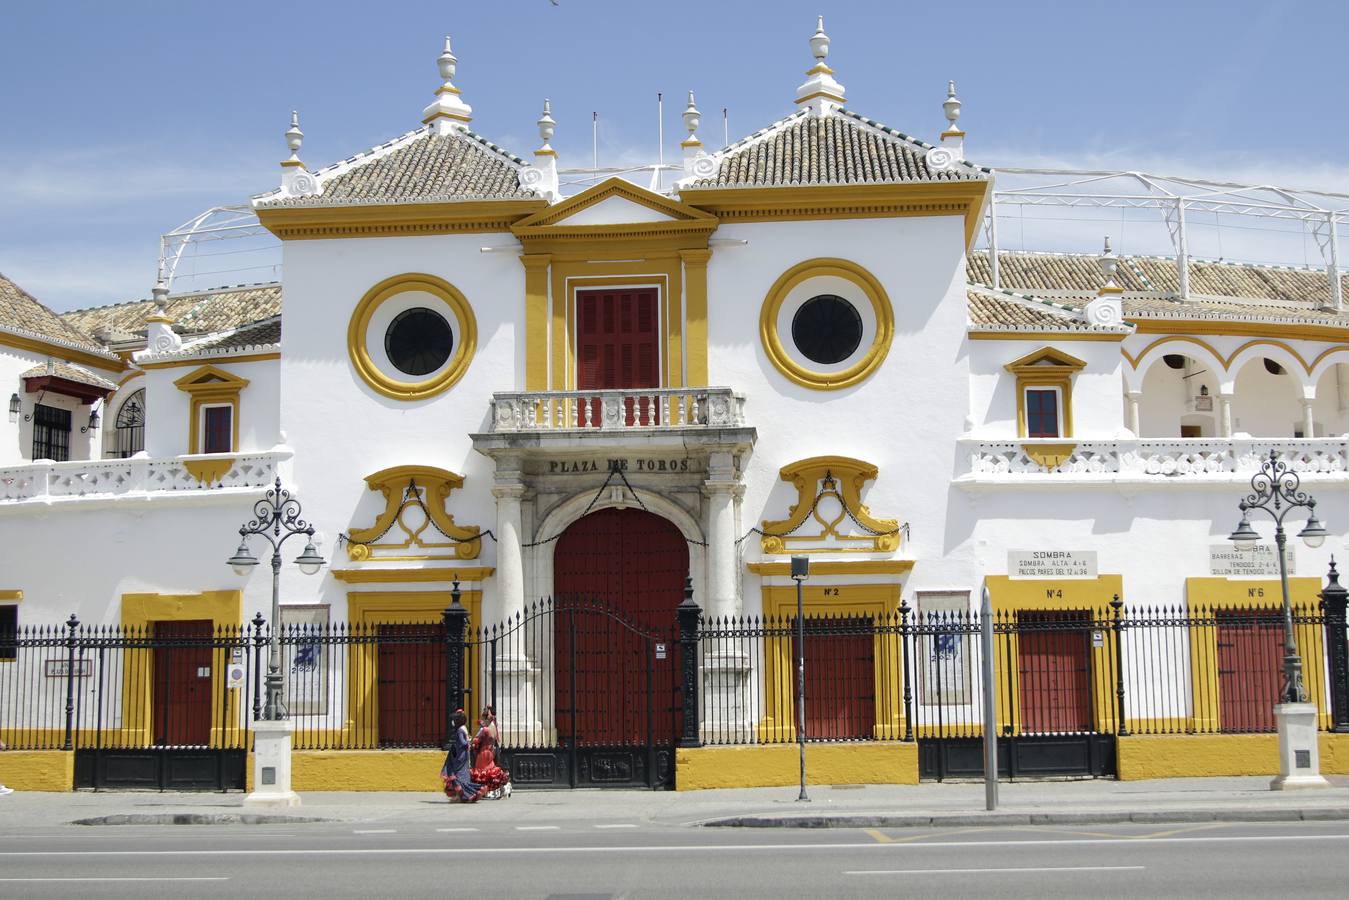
196, 819
966, 820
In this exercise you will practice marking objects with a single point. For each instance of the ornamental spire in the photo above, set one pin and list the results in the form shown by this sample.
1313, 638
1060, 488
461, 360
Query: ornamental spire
448, 111
820, 93
953, 137
294, 139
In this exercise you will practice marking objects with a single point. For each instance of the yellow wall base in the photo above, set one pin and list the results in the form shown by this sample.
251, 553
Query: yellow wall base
778, 765
1206, 755
364, 770
38, 770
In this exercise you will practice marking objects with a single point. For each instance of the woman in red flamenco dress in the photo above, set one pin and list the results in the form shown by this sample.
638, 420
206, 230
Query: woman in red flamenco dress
495, 780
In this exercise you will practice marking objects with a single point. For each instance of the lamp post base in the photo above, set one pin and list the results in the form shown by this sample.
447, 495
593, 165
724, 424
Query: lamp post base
1299, 756
271, 765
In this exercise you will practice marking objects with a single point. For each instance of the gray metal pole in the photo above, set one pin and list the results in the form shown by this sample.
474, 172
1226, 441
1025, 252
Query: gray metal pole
801, 685
990, 707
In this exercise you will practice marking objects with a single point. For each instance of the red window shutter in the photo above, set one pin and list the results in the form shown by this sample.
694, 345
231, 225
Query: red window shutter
219, 430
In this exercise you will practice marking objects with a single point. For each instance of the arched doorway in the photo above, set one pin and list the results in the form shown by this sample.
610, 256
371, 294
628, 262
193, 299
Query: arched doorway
618, 576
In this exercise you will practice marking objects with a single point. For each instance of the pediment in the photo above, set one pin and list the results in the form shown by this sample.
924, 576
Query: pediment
1045, 358
616, 202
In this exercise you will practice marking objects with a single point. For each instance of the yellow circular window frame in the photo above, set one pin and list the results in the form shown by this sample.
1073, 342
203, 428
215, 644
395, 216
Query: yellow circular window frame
466, 337
773, 341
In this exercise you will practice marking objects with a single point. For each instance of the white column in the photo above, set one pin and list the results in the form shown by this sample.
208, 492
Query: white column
1134, 397
720, 489
1308, 419
520, 719
1225, 415
510, 573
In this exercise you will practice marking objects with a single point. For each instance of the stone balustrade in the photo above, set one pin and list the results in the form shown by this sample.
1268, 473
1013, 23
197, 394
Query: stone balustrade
48, 482
628, 409
1145, 460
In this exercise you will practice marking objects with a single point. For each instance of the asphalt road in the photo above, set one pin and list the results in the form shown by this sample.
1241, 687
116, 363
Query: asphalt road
598, 861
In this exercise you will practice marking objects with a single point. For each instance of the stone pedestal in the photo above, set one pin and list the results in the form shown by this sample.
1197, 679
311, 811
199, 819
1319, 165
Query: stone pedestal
1299, 759
729, 700
517, 703
271, 765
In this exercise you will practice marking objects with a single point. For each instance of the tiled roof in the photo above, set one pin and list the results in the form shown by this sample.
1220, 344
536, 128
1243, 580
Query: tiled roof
198, 312
843, 148
419, 167
20, 312
71, 372
260, 334
1218, 290
991, 310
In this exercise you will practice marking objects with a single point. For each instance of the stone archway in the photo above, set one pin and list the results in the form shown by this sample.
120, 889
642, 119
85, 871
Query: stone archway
631, 560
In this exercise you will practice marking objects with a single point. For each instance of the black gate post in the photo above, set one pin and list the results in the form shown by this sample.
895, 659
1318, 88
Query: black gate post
689, 614
455, 618
258, 642
1121, 726
1334, 599
904, 668
71, 624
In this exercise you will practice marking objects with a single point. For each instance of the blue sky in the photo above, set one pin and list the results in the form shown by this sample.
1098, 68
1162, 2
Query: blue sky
123, 120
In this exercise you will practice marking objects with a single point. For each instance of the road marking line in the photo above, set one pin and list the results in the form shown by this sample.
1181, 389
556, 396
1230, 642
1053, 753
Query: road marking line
616, 826
879, 837
1037, 870
374, 831
678, 848
456, 829
123, 878
537, 827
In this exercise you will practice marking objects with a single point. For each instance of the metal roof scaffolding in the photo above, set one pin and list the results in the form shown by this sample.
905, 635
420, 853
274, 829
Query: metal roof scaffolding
1319, 212
219, 223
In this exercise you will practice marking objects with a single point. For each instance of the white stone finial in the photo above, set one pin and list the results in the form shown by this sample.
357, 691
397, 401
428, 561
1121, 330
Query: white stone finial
1109, 263
952, 106
692, 119
294, 139
547, 125
952, 138
159, 334
542, 176
448, 112
1107, 307
820, 93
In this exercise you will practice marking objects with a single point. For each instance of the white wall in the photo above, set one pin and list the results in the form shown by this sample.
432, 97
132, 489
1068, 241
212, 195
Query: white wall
16, 438
1096, 388
167, 408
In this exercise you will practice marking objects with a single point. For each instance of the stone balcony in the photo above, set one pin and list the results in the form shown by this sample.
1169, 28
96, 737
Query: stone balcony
1193, 462
48, 484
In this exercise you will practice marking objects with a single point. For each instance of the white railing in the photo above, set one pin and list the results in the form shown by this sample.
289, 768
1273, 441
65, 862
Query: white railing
1145, 459
618, 410
136, 477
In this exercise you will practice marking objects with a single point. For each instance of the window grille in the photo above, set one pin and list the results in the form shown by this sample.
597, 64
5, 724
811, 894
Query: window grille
51, 433
130, 428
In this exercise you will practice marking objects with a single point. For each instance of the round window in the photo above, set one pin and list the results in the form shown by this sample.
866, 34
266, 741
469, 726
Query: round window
418, 341
827, 329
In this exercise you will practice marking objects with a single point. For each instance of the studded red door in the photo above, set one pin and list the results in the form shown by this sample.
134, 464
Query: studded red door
1054, 672
411, 685
1250, 667
617, 346
633, 563
182, 683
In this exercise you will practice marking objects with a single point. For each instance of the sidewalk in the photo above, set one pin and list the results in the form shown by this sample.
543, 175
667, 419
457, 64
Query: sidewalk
873, 806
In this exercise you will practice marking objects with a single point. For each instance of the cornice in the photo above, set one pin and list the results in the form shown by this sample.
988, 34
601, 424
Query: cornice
396, 220
50, 347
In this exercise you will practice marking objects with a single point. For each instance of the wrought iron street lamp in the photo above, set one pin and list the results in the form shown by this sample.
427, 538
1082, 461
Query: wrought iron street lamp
1276, 490
276, 518
800, 572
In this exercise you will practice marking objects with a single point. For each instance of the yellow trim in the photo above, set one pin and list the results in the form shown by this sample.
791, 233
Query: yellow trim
301, 223
139, 611
70, 354
613, 187
1050, 456
11, 595
413, 576
369, 609
1030, 373
849, 476
1147, 756
1266, 343
1011, 596
845, 201
40, 770
828, 95
536, 320
211, 386
875, 600
466, 337
437, 485
818, 268
1064, 336
1293, 332
695, 313
1249, 594
182, 363
703, 768
838, 567
690, 142
209, 471
159, 317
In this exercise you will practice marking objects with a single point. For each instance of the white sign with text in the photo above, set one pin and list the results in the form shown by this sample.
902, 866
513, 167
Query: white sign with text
1226, 561
1051, 563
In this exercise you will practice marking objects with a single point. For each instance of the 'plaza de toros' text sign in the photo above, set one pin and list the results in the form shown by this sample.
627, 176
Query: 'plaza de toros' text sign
624, 464
1051, 563
1226, 561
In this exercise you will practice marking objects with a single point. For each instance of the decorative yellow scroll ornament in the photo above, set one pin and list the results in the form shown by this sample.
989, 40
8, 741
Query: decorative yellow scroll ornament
829, 491
415, 499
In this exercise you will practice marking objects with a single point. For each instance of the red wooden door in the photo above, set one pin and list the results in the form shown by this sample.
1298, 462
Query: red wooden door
1250, 669
617, 346
840, 679
411, 685
182, 682
632, 563
1054, 668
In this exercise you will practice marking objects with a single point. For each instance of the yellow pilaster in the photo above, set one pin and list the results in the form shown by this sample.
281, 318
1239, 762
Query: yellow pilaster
536, 320
695, 287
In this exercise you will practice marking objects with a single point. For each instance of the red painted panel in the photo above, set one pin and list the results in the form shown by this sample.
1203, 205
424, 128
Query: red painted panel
182, 682
840, 679
1054, 669
411, 685
1250, 669
617, 346
634, 563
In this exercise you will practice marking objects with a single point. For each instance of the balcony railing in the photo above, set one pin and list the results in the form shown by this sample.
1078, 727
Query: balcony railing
1146, 460
618, 410
46, 482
